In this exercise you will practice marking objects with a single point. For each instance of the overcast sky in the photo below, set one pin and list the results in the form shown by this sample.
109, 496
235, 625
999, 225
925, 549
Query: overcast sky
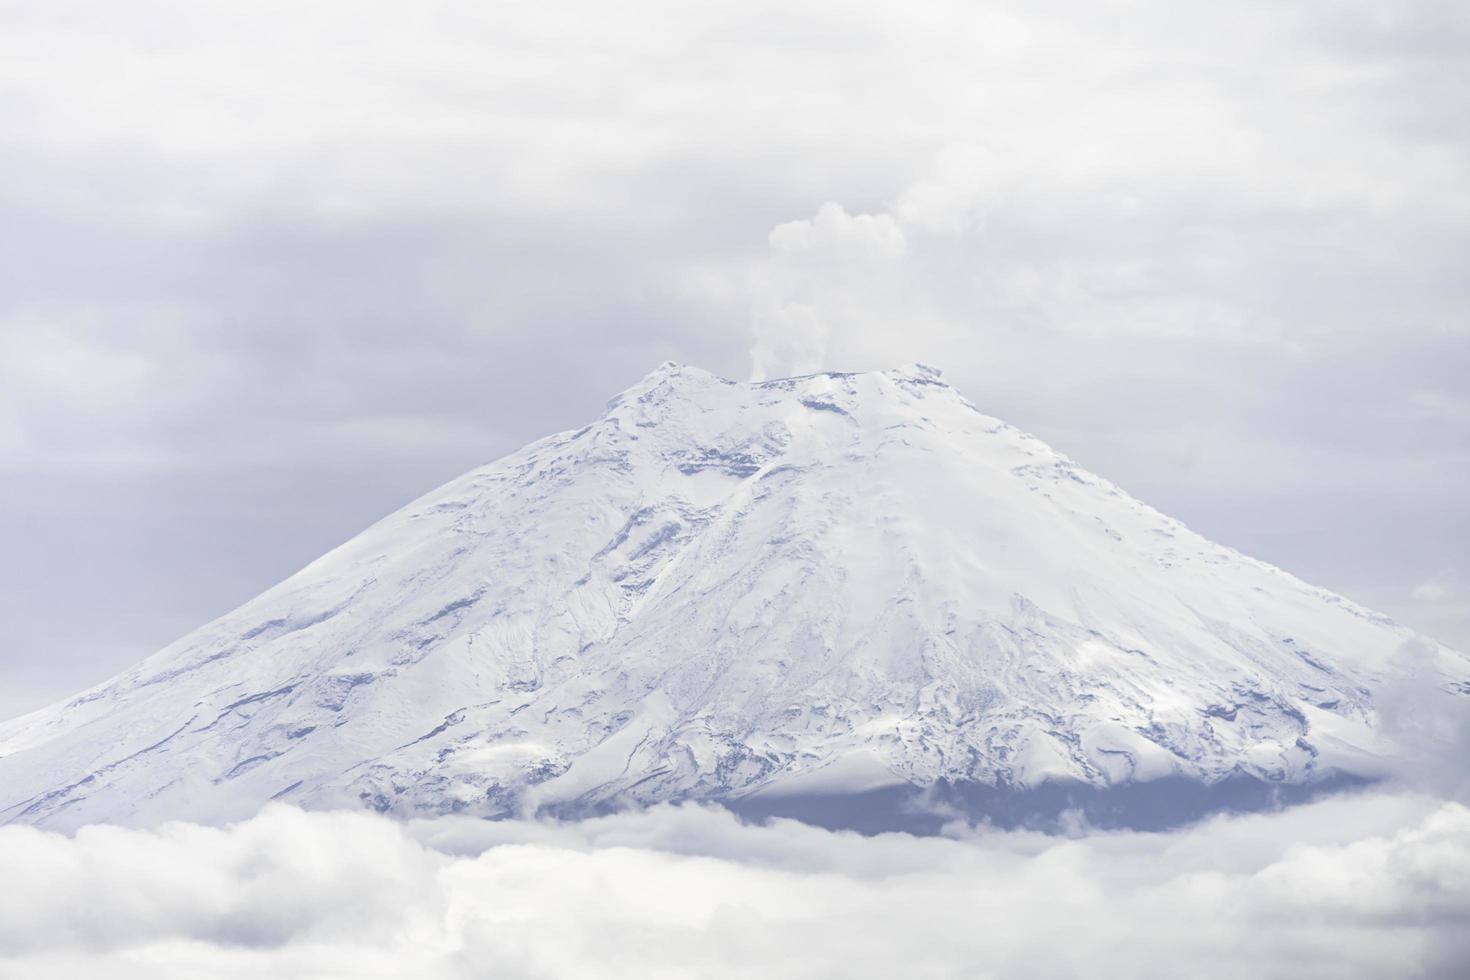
269, 270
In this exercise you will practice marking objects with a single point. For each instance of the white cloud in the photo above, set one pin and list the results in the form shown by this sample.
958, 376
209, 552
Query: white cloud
1432, 590
833, 229
1366, 886
962, 185
1440, 605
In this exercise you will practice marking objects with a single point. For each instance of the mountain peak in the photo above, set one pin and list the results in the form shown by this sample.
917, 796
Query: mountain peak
685, 383
668, 370
664, 370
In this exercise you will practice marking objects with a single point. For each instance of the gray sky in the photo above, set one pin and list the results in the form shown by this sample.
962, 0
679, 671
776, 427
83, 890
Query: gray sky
269, 270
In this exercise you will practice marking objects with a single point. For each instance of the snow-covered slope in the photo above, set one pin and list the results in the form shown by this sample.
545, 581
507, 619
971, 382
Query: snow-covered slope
814, 585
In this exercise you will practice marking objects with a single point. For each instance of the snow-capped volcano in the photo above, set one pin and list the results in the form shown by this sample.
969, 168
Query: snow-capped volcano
823, 585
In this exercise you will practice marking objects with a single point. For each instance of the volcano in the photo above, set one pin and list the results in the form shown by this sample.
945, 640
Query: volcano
849, 598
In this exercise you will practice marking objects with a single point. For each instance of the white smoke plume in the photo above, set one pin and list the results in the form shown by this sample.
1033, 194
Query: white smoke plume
820, 272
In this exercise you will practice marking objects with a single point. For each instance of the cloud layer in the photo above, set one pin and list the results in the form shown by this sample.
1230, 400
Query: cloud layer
1367, 886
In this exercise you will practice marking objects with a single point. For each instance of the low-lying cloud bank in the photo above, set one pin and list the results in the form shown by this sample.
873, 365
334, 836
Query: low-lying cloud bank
1374, 885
